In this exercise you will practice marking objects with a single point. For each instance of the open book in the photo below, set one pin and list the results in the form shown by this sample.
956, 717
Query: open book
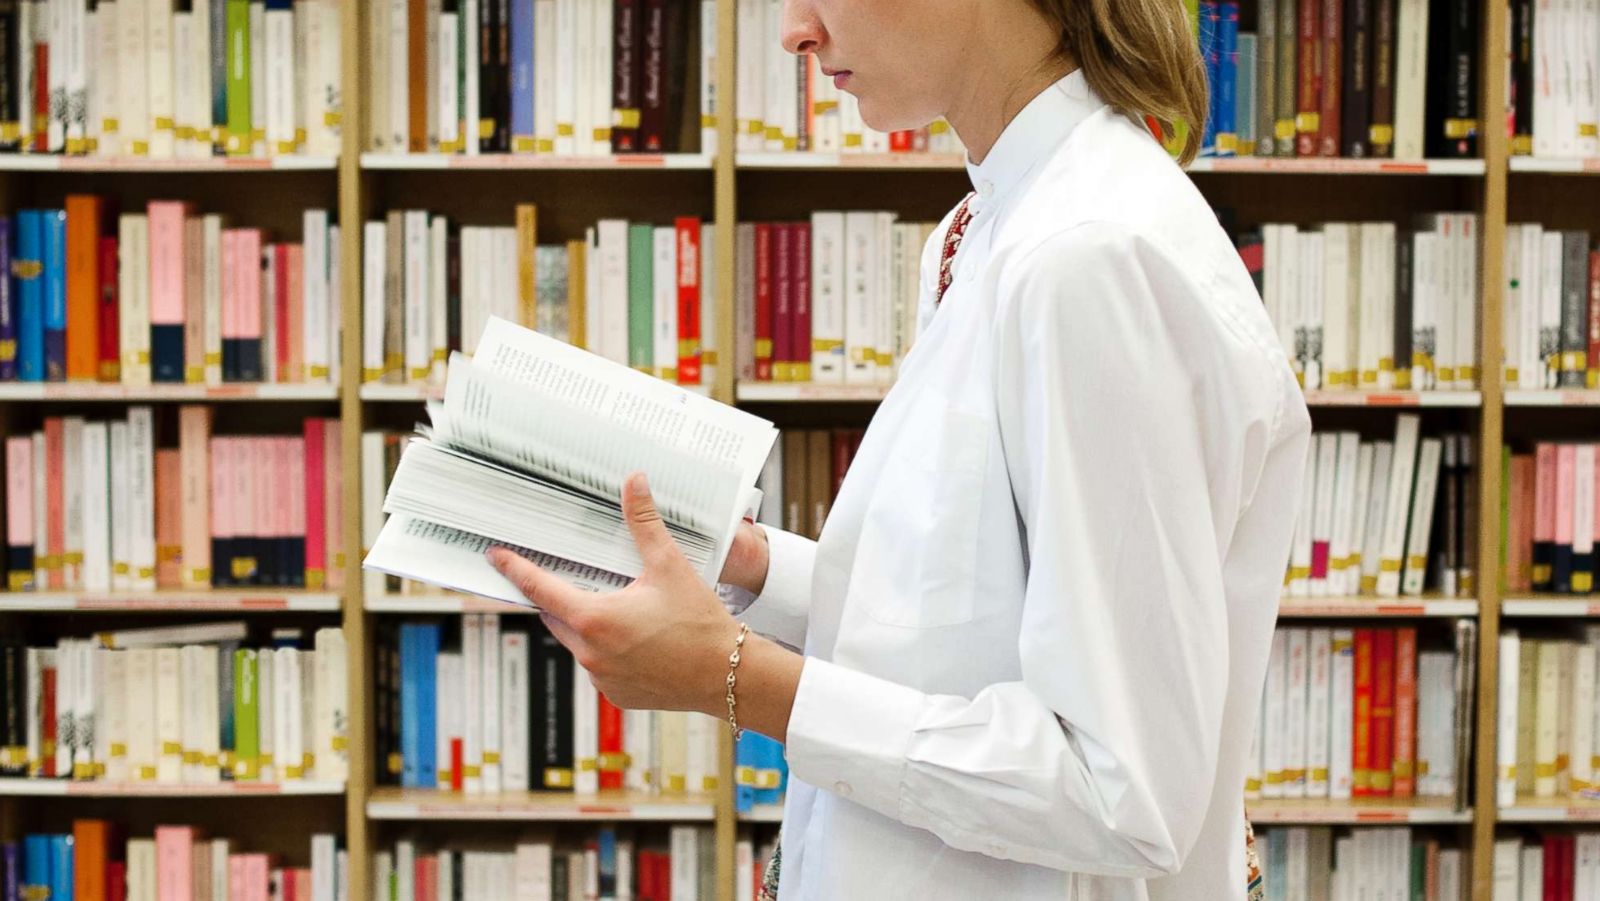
529, 451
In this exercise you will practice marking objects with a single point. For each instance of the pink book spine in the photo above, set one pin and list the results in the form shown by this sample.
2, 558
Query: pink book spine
221, 528
230, 293
166, 262
301, 882
264, 508
19, 499
249, 312
316, 525
294, 475
280, 309
801, 269
258, 872
238, 877
1566, 476
295, 304
194, 436
174, 863
241, 510
333, 510
1544, 493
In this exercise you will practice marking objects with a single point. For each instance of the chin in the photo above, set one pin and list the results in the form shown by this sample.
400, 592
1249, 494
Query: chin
886, 117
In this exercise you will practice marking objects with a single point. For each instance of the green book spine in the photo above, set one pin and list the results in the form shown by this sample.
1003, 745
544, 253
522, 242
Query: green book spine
641, 297
1419, 868
246, 717
238, 141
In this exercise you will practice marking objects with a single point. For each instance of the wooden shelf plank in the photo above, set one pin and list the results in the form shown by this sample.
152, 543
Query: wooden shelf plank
1268, 165
514, 161
1569, 166
68, 788
1356, 812
1551, 810
812, 392
243, 600
27, 162
436, 602
1394, 398
386, 393
67, 391
1551, 605
428, 804
1358, 607
763, 813
951, 162
809, 392
1570, 397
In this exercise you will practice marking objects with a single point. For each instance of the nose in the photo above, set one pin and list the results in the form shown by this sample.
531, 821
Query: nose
802, 30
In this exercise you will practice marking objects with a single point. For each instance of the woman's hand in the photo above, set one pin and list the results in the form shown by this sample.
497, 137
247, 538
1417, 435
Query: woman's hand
663, 642
746, 566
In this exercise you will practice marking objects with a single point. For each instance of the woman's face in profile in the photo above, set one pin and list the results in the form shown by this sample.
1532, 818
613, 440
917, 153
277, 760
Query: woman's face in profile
899, 58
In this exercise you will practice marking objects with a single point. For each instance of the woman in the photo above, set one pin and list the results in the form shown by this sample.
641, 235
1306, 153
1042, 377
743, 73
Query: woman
1036, 626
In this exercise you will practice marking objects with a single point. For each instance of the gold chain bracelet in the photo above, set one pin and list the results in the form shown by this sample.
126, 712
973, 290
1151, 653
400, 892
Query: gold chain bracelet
733, 678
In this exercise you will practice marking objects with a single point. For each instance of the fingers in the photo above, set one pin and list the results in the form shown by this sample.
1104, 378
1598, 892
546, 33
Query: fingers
545, 591
650, 534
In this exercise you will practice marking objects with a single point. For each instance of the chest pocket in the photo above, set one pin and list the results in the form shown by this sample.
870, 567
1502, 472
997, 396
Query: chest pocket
918, 551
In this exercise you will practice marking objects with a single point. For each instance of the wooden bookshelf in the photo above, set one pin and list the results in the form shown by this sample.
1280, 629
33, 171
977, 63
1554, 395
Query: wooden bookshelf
609, 806
1551, 605
1357, 812
216, 600
1553, 398
59, 788
952, 162
1249, 165
89, 391
1576, 166
1551, 810
534, 162
24, 162
1375, 608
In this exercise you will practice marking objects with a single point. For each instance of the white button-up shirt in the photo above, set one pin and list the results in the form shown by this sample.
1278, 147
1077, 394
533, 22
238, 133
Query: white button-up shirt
1037, 622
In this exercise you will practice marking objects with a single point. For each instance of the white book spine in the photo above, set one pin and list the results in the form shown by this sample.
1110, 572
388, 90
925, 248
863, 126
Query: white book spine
638, 733
1337, 342
1580, 764
210, 725
684, 842
488, 675
330, 740
41, 512
545, 85
1296, 706
1396, 507
1424, 289
860, 333
270, 765
306, 724
289, 704
1320, 664
583, 79
96, 508
374, 273
1311, 307
1465, 300
828, 297
664, 285
1550, 305
600, 95
1427, 482
162, 104
114, 724
324, 850
399, 72
883, 296
34, 711
1273, 743
514, 700
438, 296
1300, 555
1530, 366
169, 715
702, 753
1511, 312
1340, 704
66, 678
1548, 699
750, 104
1322, 516
315, 293
418, 349
566, 76
141, 490
711, 349
378, 23
211, 290
585, 733
190, 722
708, 77
133, 294
59, 24
1506, 728
611, 339
1355, 533
373, 488
184, 85
335, 306
72, 476
327, 128
433, 75
450, 698
1410, 77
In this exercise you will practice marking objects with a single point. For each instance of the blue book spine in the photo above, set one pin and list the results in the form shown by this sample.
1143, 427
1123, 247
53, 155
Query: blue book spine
608, 862
36, 866
1209, 25
770, 756
410, 716
1227, 80
55, 295
11, 865
428, 691
744, 773
8, 324
522, 99
61, 881
29, 269
225, 709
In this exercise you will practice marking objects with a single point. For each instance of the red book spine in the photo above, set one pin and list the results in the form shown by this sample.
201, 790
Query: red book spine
1568, 869
41, 97
1383, 642
689, 275
458, 769
800, 369
611, 760
1552, 863
1592, 377
116, 881
316, 572
280, 310
1309, 78
763, 302
900, 141
110, 343
1332, 57
1405, 712
783, 301
1361, 722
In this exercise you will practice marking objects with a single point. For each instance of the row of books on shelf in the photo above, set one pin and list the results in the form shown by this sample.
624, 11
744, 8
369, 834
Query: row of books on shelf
1371, 305
1364, 713
468, 705
832, 300
1384, 518
639, 294
1548, 519
803, 475
1552, 305
1364, 862
97, 505
194, 79
1559, 867
1548, 717
165, 295
1553, 79
1350, 78
99, 860
785, 103
178, 705
610, 864
570, 77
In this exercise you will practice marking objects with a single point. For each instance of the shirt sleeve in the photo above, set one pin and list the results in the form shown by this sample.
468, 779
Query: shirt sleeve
781, 611
1102, 758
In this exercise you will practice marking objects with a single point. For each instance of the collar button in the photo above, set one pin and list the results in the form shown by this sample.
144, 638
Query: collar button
986, 188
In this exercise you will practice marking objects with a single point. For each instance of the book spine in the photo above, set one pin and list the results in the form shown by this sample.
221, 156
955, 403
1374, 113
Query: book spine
1358, 67
1308, 103
1361, 753
764, 302
167, 278
55, 295
28, 271
800, 272
83, 282
653, 87
687, 231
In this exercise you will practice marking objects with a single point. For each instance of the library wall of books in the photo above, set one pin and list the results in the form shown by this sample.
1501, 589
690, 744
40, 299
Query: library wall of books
240, 241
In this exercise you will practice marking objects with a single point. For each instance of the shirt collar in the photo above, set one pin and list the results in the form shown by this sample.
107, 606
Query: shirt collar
1040, 127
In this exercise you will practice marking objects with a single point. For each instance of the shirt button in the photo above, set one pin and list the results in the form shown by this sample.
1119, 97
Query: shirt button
986, 188
842, 789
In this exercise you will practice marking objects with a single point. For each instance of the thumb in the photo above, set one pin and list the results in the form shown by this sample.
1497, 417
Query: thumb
650, 534
546, 592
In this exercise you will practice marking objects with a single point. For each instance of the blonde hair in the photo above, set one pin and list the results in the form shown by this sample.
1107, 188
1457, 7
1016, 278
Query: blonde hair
1141, 57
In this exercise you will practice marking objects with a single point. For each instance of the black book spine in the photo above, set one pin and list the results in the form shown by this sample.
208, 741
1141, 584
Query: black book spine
1447, 521
500, 141
10, 77
452, 302
1402, 309
1522, 76
551, 715
1461, 120
13, 712
683, 107
1356, 100
652, 87
483, 129
625, 75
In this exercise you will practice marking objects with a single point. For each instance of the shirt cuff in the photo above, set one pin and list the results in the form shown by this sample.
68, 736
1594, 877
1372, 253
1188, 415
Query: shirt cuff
790, 559
849, 733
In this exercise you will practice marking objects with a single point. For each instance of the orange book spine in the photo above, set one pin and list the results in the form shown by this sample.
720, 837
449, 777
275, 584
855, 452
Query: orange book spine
1383, 648
83, 287
294, 300
91, 844
55, 503
333, 505
1361, 723
194, 448
417, 75
169, 514
1405, 712
194, 300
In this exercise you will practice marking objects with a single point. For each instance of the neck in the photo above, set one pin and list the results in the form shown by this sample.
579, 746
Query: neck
989, 102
